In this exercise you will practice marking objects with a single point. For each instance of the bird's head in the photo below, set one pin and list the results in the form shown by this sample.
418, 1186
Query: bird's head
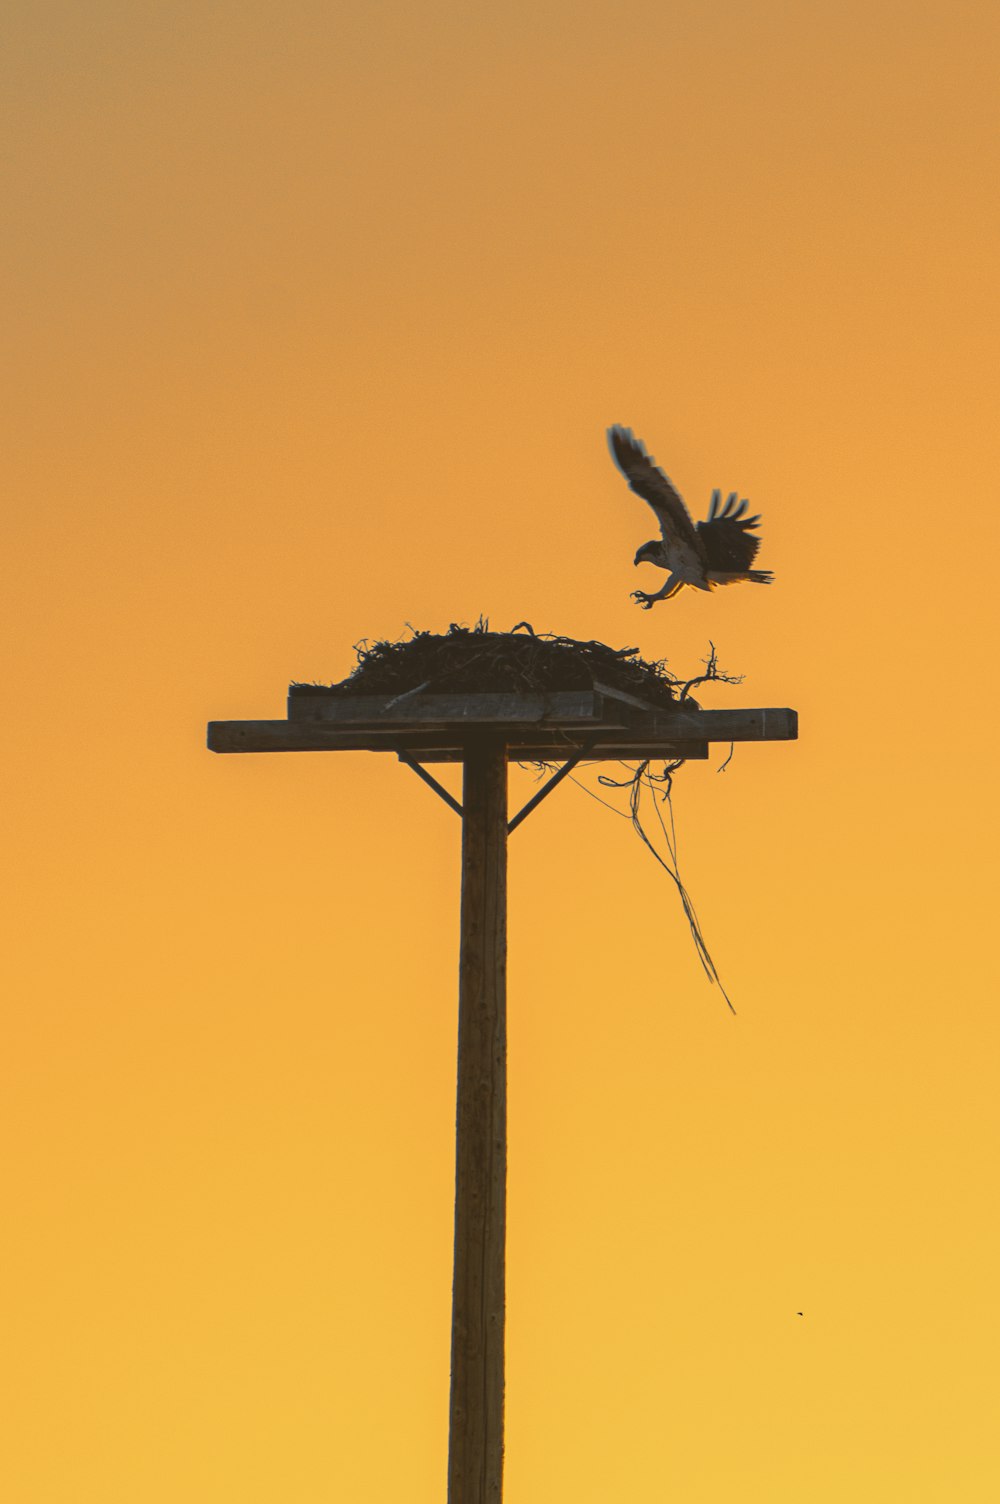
647, 553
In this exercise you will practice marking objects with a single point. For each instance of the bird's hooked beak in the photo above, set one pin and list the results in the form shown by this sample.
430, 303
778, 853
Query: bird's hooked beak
641, 554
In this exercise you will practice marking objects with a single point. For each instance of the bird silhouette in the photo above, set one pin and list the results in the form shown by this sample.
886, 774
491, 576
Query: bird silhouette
718, 551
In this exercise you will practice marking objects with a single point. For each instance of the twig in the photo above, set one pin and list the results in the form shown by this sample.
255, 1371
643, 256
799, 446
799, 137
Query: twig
713, 674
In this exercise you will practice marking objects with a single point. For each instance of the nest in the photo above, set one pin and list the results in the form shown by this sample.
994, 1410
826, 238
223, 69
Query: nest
474, 660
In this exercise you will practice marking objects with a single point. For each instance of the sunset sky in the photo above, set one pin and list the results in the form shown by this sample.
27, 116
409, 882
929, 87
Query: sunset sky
316, 316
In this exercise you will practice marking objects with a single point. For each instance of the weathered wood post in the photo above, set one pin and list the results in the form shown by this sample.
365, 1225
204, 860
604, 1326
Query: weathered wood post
481, 730
475, 1445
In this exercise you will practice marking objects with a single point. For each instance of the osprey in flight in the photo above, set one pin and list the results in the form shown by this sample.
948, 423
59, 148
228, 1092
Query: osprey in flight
716, 552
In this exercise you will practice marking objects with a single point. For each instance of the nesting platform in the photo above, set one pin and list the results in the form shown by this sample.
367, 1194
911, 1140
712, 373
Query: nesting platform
551, 726
544, 697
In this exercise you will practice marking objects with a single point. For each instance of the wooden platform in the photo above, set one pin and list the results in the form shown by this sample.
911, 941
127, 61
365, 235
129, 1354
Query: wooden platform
549, 727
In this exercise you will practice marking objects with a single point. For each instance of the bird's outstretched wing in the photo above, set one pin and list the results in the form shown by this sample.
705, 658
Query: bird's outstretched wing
725, 540
648, 481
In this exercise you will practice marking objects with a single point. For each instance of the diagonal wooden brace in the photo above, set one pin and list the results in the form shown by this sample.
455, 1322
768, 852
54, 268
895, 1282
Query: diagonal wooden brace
429, 779
546, 788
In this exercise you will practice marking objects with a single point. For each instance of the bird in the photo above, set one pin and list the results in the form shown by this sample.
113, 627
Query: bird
718, 551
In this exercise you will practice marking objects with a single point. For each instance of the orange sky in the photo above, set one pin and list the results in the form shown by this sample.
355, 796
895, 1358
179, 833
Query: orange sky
318, 315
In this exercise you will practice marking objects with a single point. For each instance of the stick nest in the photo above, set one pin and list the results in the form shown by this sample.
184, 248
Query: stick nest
474, 660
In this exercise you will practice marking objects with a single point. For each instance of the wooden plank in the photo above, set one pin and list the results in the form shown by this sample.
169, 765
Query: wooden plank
526, 744
319, 736
381, 712
647, 734
323, 736
465, 710
758, 725
475, 1438
277, 736
602, 751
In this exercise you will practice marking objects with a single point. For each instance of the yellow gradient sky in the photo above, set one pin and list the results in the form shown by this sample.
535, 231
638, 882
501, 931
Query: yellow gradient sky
316, 316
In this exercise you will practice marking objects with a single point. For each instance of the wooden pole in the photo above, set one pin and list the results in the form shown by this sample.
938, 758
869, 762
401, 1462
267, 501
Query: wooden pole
475, 1447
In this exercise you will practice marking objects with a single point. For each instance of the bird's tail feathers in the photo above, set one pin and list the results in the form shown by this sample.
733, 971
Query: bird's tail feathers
733, 576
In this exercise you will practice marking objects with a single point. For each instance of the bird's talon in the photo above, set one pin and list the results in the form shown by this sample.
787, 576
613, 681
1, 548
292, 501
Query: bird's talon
642, 599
